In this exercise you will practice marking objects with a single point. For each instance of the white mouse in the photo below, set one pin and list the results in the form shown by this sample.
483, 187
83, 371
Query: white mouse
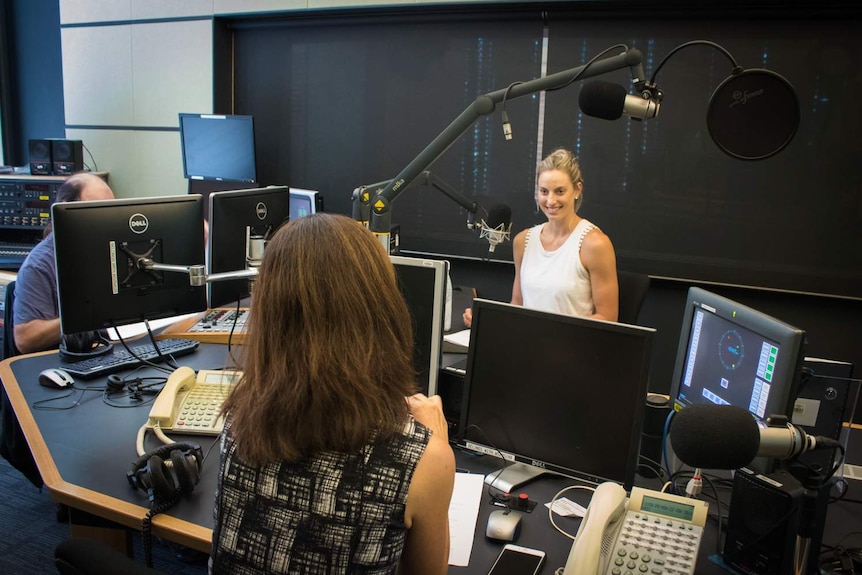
504, 525
55, 378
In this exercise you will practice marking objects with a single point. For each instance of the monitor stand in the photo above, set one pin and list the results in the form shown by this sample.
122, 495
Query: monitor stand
511, 476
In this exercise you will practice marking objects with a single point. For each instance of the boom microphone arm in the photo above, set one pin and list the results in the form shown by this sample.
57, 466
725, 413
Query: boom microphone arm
380, 201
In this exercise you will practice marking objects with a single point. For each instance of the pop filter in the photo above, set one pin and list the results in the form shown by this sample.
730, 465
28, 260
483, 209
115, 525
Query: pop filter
753, 114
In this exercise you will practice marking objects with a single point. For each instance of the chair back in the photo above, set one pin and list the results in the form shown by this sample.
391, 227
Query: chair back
633, 289
9, 347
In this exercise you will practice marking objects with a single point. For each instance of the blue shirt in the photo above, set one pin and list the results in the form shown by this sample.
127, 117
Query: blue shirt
36, 285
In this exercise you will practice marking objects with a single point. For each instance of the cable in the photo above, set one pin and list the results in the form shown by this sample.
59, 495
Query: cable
554, 499
736, 67
95, 167
587, 65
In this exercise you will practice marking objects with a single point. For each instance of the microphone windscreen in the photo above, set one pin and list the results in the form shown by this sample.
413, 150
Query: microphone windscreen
715, 436
499, 214
602, 100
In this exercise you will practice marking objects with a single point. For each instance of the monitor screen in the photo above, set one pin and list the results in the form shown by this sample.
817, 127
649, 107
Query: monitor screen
552, 392
731, 354
241, 221
423, 284
218, 147
303, 202
97, 245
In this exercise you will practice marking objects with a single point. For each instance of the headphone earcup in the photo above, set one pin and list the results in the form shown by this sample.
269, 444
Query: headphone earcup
185, 470
116, 382
160, 479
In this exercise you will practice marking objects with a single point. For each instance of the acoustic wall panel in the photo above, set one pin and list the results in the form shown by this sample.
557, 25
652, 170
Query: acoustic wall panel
97, 75
173, 70
84, 11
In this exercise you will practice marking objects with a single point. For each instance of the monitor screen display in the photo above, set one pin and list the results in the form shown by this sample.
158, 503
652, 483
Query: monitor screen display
218, 147
241, 222
98, 245
730, 354
303, 202
555, 392
423, 285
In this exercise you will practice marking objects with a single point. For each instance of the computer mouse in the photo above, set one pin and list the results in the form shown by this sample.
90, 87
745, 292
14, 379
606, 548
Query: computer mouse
56, 378
504, 525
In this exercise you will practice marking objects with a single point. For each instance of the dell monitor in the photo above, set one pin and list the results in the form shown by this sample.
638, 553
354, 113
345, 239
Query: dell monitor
304, 202
241, 222
730, 354
423, 284
98, 246
218, 147
554, 393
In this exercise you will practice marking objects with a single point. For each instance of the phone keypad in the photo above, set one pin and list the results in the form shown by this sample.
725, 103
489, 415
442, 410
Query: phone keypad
200, 410
652, 545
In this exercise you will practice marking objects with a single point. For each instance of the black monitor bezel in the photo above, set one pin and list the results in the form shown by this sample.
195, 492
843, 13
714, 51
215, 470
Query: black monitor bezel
790, 339
224, 233
247, 147
632, 433
85, 240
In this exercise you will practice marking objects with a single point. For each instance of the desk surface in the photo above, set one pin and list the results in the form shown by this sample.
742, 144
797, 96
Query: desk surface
85, 467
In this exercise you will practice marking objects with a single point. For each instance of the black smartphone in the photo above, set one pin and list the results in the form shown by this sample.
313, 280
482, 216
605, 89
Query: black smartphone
517, 560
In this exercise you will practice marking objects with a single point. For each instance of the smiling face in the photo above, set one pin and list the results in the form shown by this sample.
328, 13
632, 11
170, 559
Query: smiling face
556, 195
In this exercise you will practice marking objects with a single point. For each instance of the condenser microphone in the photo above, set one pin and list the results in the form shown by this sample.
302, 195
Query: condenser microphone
728, 437
610, 101
497, 227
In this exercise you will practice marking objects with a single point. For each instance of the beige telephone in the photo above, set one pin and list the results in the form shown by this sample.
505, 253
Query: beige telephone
650, 530
190, 403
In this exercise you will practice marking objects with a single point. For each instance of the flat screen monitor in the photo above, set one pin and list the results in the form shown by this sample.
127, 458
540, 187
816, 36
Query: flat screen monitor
218, 147
730, 354
554, 393
241, 222
304, 202
97, 245
423, 285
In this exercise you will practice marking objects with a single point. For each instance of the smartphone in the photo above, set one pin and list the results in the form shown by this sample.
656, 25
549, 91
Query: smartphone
517, 560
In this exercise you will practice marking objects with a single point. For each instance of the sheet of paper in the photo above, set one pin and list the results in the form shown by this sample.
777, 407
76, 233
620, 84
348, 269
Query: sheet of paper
567, 508
136, 329
463, 513
460, 338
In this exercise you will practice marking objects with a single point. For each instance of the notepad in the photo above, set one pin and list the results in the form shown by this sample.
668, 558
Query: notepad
456, 342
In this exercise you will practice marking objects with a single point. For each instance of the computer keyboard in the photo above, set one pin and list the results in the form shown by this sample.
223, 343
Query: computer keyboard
120, 359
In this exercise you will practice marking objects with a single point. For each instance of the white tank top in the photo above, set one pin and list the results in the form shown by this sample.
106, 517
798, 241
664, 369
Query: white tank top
557, 280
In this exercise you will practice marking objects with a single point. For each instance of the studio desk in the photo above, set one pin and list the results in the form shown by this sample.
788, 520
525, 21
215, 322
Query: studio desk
84, 447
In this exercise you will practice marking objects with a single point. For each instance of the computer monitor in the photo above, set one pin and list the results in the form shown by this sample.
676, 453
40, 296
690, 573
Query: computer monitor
218, 147
423, 285
97, 244
730, 354
241, 221
304, 202
554, 393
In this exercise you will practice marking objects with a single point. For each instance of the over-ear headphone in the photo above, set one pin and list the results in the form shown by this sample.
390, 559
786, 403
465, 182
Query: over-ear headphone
84, 345
167, 471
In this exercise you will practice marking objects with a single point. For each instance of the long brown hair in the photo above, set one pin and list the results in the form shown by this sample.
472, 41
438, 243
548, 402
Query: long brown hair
327, 362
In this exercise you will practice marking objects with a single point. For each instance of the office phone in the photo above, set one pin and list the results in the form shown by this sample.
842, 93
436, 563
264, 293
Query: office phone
191, 403
638, 534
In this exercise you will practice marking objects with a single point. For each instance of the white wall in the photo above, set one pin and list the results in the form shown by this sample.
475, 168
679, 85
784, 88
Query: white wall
131, 66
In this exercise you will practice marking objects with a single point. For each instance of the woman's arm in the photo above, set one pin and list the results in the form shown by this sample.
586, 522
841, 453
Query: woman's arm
518, 253
426, 551
597, 255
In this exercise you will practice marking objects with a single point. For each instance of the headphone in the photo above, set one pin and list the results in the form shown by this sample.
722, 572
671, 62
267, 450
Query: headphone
167, 471
84, 345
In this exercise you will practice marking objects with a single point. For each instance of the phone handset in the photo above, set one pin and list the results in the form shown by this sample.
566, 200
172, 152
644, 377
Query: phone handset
166, 406
588, 555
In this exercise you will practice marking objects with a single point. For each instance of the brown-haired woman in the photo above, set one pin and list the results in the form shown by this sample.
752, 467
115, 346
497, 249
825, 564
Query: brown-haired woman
329, 460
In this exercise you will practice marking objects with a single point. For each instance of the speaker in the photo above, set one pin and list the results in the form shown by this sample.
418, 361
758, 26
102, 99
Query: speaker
167, 471
763, 523
67, 156
40, 157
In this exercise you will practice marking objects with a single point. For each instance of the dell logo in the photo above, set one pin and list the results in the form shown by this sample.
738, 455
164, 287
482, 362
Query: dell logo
260, 210
139, 223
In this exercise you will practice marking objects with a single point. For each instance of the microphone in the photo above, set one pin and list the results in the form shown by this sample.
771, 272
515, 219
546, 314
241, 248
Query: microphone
497, 228
728, 437
609, 101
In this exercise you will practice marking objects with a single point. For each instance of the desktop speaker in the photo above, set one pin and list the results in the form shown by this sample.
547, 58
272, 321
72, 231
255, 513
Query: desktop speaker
67, 156
763, 523
40, 157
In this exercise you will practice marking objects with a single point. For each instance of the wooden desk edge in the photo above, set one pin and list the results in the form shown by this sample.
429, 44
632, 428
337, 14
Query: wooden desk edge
98, 504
